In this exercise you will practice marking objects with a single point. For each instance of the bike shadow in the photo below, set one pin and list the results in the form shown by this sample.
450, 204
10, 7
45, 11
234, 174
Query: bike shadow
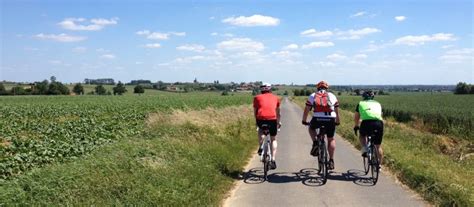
254, 176
356, 176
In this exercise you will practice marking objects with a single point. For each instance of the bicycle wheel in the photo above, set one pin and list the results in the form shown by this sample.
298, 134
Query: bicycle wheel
366, 161
374, 165
266, 166
324, 162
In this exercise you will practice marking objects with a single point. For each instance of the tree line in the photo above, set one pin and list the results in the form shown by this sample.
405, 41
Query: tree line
464, 88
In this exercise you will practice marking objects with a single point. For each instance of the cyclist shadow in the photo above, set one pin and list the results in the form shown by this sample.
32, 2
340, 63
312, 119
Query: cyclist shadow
254, 176
353, 175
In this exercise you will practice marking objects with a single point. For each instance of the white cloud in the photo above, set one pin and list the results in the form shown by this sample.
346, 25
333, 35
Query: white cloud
55, 62
158, 35
336, 57
252, 21
60, 37
214, 34
360, 56
458, 56
400, 18
191, 47
286, 54
422, 39
359, 14
94, 25
447, 46
152, 45
314, 33
317, 45
325, 64
79, 49
108, 56
357, 34
241, 44
291, 47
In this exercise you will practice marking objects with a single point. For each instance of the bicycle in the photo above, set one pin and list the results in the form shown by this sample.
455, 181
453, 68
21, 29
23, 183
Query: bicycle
323, 161
371, 160
266, 146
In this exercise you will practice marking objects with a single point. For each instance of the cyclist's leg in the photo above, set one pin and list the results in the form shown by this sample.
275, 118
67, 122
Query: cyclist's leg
273, 133
378, 140
330, 132
363, 132
311, 129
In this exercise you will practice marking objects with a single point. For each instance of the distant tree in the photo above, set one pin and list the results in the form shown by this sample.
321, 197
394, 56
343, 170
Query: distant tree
57, 88
195, 80
18, 90
225, 93
119, 89
285, 93
307, 92
52, 79
357, 92
472, 90
100, 90
139, 89
296, 92
78, 89
462, 88
3, 91
41, 88
339, 93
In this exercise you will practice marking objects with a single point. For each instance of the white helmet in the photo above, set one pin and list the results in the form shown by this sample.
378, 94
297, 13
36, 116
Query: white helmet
265, 87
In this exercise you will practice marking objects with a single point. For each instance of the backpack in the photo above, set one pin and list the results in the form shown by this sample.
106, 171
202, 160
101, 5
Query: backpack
322, 102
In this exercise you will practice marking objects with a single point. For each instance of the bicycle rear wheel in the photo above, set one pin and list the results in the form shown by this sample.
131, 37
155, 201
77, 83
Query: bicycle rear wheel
266, 165
323, 161
366, 161
374, 165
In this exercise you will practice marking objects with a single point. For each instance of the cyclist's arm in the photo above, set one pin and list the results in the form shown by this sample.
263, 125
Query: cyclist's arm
278, 114
356, 119
336, 109
306, 112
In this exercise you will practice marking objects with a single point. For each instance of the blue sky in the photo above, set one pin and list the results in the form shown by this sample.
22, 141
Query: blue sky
343, 42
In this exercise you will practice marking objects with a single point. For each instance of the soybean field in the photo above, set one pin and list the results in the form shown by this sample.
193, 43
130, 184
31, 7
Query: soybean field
40, 130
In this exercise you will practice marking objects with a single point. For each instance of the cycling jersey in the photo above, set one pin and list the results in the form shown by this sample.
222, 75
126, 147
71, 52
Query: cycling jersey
266, 105
369, 110
332, 99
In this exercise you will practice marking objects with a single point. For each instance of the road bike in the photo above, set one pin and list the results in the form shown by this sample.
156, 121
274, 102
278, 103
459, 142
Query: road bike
266, 146
323, 160
371, 160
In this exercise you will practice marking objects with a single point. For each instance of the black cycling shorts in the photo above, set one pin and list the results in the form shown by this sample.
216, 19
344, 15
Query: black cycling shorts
272, 126
373, 128
328, 123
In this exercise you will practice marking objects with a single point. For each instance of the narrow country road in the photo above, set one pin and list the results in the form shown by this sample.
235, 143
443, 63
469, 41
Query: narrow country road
296, 183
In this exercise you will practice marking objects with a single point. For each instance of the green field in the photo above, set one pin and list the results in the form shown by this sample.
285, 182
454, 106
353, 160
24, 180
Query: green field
440, 113
40, 130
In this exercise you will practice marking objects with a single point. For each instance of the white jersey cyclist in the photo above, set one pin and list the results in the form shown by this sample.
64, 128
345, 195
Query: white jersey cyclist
333, 103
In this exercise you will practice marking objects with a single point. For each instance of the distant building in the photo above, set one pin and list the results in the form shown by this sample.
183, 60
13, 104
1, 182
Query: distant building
104, 81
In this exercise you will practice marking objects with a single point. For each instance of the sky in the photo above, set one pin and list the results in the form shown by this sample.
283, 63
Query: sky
342, 42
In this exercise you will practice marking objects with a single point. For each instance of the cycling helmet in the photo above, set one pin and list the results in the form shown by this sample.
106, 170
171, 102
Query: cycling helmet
368, 95
266, 87
322, 85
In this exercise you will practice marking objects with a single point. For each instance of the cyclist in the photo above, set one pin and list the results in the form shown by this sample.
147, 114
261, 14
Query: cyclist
267, 111
325, 113
370, 111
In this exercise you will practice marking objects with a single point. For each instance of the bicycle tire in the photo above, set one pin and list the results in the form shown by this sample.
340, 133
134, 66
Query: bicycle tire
366, 161
324, 164
374, 164
266, 166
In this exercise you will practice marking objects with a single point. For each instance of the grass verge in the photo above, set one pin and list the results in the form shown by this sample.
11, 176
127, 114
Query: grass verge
183, 159
415, 158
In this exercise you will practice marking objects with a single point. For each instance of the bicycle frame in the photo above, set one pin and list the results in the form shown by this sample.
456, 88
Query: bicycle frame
371, 162
266, 147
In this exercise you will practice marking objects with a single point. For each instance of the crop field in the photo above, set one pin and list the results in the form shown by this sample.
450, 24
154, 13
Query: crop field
441, 113
35, 131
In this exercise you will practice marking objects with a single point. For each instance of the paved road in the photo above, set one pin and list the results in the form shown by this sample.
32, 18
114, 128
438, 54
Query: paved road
296, 183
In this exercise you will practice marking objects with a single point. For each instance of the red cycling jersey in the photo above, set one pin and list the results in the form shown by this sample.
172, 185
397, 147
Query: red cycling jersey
266, 105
